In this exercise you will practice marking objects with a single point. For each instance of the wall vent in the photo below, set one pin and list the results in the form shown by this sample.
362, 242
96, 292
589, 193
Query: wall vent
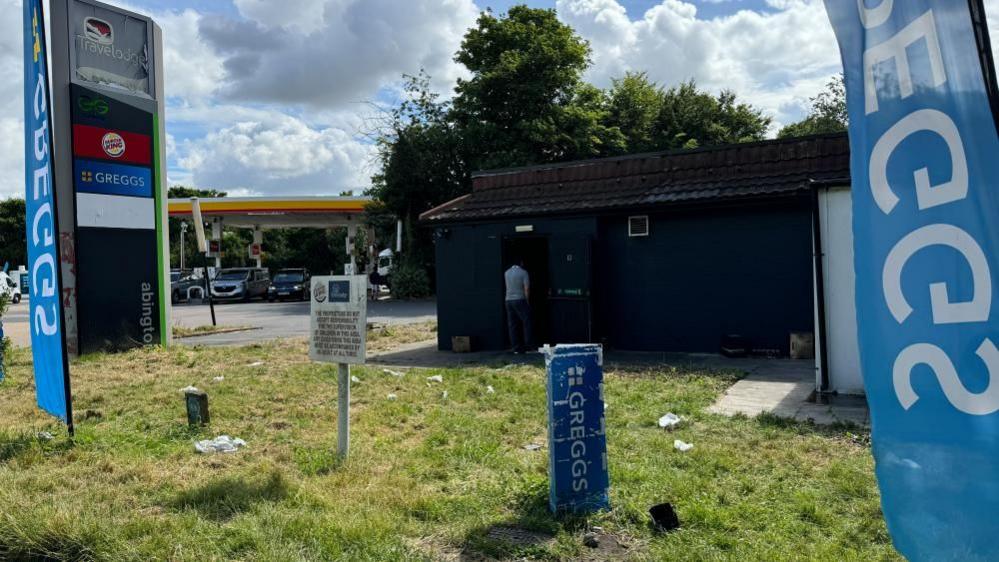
638, 226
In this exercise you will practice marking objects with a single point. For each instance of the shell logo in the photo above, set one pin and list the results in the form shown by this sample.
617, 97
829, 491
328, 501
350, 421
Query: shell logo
113, 145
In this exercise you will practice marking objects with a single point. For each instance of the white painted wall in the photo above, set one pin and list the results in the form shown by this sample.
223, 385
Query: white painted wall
836, 220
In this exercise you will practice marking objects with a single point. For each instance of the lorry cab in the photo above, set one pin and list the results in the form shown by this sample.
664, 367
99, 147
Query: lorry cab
385, 263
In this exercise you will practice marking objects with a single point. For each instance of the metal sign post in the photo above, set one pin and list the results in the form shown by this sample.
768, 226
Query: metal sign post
338, 330
199, 232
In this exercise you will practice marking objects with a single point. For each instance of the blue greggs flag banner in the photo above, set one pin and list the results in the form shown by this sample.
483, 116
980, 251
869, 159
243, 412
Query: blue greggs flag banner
45, 312
925, 166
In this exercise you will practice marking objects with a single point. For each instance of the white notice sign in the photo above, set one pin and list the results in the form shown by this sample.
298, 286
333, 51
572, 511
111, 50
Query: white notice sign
339, 319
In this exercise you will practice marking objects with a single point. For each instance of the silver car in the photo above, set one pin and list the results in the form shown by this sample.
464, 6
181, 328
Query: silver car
242, 283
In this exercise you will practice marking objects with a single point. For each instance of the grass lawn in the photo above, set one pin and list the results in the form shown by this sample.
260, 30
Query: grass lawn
428, 476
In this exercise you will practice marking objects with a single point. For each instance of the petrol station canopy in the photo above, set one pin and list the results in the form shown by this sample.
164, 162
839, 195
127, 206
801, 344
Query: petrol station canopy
277, 212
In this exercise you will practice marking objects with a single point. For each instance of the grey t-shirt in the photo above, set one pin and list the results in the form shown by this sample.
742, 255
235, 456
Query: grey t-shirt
517, 280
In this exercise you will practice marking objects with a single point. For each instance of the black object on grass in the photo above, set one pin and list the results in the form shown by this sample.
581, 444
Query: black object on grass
197, 408
664, 517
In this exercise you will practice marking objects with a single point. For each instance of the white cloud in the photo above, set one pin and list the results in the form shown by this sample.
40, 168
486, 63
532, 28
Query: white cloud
279, 154
356, 48
774, 60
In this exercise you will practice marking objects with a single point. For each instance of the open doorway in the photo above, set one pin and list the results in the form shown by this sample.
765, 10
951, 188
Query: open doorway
533, 250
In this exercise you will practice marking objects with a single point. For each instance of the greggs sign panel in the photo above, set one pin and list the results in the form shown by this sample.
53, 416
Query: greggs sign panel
926, 229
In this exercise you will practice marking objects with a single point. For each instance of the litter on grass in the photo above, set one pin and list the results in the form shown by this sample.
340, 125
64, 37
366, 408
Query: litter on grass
218, 379
44, 436
435, 378
681, 446
669, 421
189, 388
221, 444
393, 373
354, 379
444, 395
391, 397
490, 390
532, 447
256, 364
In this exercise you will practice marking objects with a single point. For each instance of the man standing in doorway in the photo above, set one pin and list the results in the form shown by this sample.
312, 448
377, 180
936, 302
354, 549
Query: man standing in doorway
518, 309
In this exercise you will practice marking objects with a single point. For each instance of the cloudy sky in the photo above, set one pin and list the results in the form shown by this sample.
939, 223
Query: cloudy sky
273, 97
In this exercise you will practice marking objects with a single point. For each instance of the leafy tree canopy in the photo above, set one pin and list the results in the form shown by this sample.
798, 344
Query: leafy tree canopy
827, 115
13, 241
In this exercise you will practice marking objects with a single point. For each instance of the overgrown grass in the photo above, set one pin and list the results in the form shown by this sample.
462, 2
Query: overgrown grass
390, 336
427, 478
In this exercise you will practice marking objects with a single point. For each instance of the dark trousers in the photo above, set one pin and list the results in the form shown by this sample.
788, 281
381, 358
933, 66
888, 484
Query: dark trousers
518, 322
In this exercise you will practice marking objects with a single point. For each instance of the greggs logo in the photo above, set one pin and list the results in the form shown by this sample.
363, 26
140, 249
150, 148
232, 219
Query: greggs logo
113, 145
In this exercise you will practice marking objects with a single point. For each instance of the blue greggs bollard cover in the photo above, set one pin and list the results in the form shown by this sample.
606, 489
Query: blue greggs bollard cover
577, 439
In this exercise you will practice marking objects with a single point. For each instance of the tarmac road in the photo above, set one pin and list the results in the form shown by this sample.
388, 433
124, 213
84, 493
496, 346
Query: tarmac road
274, 320
286, 319
15, 324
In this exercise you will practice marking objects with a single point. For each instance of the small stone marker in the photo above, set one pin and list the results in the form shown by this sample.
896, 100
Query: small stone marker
577, 442
197, 407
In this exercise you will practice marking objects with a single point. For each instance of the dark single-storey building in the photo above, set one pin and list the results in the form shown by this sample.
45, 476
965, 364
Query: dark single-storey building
668, 251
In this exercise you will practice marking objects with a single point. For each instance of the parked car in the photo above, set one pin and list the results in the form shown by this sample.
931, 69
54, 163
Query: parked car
241, 283
8, 288
289, 284
181, 281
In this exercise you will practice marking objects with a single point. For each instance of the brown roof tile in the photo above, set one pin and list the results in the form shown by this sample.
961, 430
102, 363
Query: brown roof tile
762, 169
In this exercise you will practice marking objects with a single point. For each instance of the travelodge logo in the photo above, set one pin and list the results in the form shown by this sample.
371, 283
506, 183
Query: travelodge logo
98, 31
113, 145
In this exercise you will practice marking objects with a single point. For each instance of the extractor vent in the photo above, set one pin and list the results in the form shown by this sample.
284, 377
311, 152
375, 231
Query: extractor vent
638, 226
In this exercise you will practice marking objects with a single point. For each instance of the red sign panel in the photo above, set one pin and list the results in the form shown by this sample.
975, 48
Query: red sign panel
116, 146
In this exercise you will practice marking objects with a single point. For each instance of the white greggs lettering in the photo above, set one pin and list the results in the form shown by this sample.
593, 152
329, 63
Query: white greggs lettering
120, 179
43, 271
944, 311
577, 431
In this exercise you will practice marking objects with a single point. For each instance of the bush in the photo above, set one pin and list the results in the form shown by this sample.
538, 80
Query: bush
409, 281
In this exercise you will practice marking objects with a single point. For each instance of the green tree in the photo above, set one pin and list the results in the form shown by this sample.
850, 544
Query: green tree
634, 105
520, 102
13, 241
420, 163
827, 115
692, 118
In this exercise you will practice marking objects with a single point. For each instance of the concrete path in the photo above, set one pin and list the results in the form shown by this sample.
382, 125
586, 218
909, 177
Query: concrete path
784, 389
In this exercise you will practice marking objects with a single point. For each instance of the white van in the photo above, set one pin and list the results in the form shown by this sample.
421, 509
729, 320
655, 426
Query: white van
9, 289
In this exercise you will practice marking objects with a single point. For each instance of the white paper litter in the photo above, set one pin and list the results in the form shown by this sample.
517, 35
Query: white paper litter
681, 446
218, 379
490, 390
354, 379
669, 421
256, 364
391, 397
444, 395
435, 378
393, 373
221, 444
189, 388
532, 446
44, 436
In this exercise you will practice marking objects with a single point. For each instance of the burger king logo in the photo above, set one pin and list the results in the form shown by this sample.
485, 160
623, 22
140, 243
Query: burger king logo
113, 145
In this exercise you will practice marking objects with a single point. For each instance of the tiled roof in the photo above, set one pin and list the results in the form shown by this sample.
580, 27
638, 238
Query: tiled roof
772, 168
